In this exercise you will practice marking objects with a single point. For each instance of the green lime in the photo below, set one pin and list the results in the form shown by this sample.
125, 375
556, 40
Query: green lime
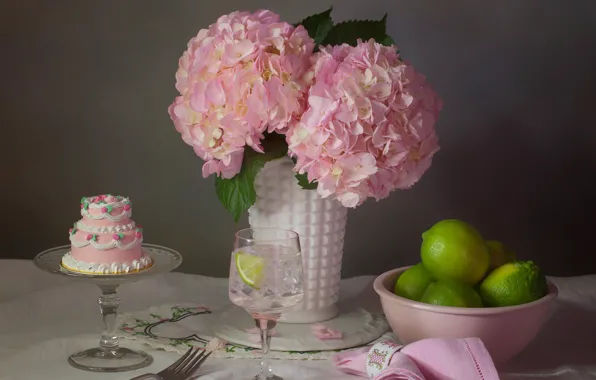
499, 253
453, 249
412, 282
250, 268
451, 293
513, 284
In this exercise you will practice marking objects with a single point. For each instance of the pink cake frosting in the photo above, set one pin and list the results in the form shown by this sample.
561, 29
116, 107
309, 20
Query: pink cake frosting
106, 240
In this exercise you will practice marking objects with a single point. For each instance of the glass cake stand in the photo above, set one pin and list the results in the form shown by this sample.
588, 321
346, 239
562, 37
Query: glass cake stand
109, 356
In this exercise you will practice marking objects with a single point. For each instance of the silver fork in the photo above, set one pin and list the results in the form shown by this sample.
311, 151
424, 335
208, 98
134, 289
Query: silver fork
182, 368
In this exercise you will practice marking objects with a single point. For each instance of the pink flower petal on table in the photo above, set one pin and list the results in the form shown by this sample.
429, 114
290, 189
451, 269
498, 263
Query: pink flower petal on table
323, 332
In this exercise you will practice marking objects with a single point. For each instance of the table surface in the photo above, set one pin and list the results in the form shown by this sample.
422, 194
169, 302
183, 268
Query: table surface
44, 318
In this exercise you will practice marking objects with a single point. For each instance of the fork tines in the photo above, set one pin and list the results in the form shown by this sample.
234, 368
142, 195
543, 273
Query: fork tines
191, 362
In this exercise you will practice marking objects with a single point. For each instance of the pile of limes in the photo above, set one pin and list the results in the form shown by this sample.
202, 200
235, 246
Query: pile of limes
459, 268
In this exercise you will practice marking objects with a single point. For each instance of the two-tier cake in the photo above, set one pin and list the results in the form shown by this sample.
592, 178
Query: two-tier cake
106, 240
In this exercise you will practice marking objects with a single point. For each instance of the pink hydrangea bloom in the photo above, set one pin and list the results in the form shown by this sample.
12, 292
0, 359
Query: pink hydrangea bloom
239, 78
369, 125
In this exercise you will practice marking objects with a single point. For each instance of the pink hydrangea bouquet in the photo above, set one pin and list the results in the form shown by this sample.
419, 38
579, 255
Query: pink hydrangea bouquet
357, 120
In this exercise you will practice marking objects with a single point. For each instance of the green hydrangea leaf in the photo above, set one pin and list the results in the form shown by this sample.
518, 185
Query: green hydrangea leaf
387, 41
304, 183
238, 194
349, 32
318, 25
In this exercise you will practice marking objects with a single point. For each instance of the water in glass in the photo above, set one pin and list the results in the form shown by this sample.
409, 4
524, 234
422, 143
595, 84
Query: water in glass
281, 285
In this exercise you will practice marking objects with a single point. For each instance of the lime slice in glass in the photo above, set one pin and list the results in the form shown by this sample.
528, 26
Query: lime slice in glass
250, 269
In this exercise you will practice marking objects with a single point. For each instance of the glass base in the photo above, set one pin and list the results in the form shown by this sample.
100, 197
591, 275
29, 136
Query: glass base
118, 359
270, 377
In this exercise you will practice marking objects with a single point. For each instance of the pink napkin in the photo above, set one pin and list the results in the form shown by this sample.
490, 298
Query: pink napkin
428, 359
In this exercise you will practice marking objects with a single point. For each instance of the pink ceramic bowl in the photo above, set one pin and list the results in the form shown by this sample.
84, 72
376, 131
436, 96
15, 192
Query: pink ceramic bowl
505, 331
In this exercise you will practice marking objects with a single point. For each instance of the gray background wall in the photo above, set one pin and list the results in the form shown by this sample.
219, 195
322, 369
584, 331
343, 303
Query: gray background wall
86, 84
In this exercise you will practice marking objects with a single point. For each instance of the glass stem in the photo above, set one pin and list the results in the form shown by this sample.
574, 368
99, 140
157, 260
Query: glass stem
265, 325
108, 304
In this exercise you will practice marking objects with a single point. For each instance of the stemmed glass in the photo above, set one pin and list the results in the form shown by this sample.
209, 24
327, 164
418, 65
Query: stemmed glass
265, 280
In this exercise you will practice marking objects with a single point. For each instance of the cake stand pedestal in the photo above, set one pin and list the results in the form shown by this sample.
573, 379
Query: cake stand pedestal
109, 356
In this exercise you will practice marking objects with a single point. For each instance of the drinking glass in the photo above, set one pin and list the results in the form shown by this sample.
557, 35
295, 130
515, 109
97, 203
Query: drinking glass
265, 280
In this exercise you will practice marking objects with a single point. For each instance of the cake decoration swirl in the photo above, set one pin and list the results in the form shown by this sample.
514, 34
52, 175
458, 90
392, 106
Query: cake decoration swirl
101, 207
115, 243
106, 229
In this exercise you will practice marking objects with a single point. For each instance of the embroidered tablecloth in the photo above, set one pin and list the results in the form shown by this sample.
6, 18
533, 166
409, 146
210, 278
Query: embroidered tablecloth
44, 318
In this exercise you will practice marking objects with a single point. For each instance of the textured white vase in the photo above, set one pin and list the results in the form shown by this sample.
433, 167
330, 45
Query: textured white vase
321, 224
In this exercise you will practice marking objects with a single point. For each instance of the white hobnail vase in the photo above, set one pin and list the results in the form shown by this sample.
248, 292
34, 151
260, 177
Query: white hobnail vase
321, 224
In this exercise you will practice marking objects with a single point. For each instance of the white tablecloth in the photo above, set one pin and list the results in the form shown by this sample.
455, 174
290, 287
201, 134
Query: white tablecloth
43, 318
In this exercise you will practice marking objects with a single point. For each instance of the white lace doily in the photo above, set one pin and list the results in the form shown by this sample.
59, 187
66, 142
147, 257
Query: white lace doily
177, 327
357, 326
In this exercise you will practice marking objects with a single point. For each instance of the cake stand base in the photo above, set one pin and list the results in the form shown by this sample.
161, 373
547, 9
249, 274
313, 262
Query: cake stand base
119, 359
